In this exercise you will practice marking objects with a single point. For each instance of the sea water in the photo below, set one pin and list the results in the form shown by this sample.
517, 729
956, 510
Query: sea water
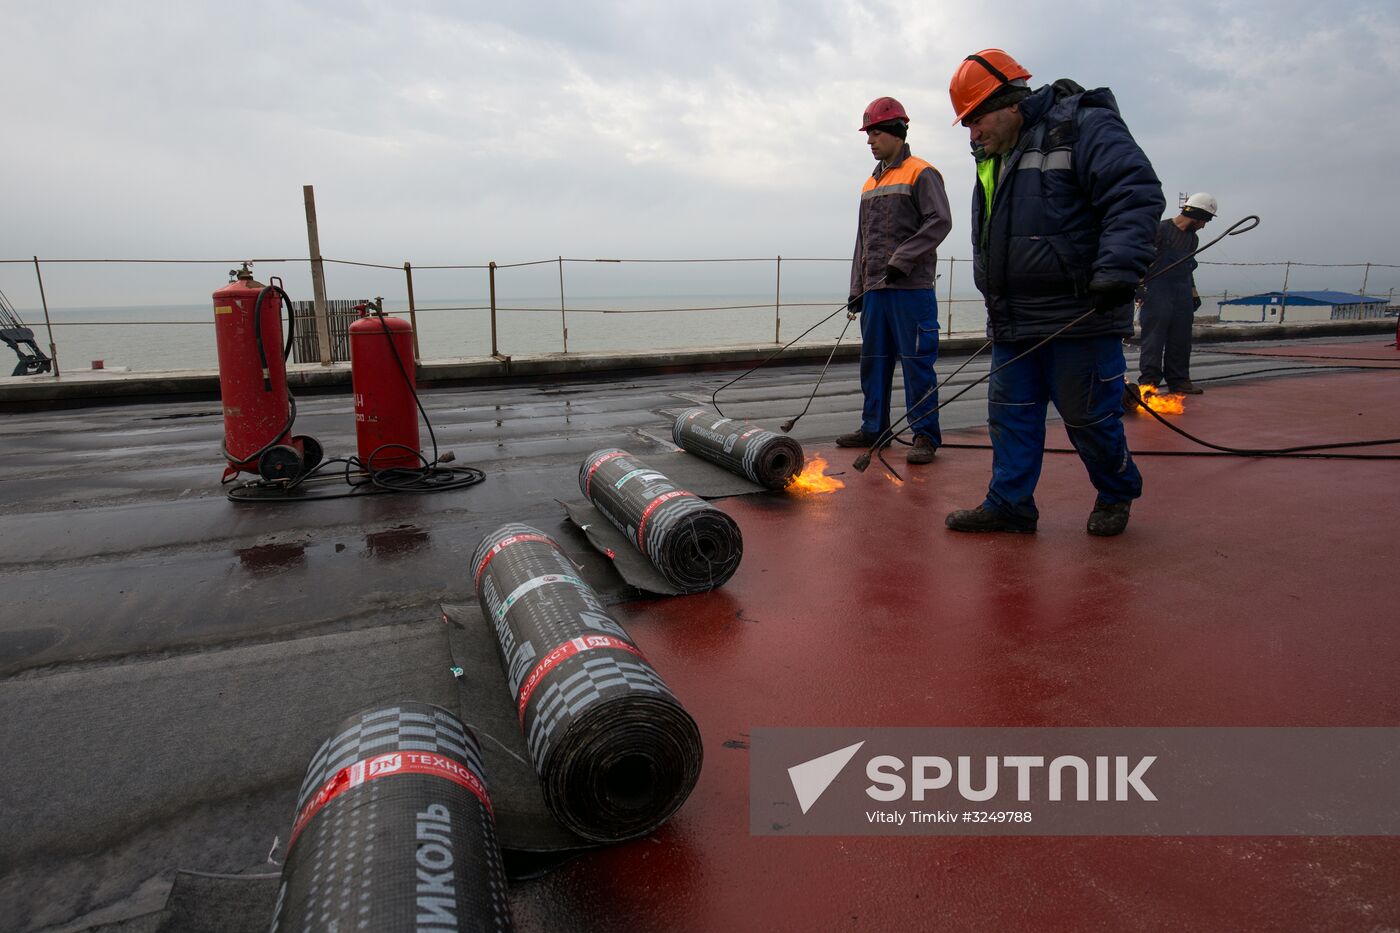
171, 337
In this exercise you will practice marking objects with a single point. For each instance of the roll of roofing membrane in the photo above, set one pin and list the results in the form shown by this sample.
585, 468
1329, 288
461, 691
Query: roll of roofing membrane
766, 457
694, 545
394, 830
615, 751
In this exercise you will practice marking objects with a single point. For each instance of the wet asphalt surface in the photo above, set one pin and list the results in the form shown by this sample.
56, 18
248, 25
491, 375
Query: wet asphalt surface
128, 579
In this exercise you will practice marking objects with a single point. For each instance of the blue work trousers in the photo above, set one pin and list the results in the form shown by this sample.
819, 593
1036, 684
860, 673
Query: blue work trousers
1167, 316
899, 322
1084, 378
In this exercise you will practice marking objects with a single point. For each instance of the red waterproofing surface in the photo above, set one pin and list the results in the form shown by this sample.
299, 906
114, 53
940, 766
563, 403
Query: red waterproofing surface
1246, 592
1364, 353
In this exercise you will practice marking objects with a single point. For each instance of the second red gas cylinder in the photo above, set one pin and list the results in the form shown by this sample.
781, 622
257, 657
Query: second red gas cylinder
386, 407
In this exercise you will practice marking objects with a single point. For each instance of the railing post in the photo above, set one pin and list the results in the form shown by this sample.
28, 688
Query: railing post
1283, 300
412, 311
778, 305
318, 277
950, 296
563, 322
53, 350
495, 351
1364, 279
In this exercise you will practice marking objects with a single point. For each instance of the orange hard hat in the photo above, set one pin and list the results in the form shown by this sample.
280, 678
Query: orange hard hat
880, 110
978, 77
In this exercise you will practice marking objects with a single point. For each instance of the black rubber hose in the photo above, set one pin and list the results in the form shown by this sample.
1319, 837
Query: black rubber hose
844, 306
283, 301
291, 418
863, 461
266, 374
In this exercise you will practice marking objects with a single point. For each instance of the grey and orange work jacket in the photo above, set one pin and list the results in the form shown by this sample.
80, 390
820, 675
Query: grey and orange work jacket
904, 215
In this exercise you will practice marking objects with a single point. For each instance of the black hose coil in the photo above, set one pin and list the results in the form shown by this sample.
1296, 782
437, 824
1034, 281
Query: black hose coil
615, 752
394, 830
694, 545
766, 457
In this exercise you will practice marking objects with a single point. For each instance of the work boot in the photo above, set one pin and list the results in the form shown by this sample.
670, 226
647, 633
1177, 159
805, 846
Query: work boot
984, 519
922, 451
1186, 387
1108, 520
1132, 397
859, 438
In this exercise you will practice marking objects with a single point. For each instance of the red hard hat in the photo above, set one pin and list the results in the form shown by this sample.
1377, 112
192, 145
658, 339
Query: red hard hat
881, 109
978, 77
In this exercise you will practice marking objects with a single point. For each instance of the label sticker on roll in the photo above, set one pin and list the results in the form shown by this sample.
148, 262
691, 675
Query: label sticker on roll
534, 584
565, 651
504, 543
588, 480
379, 766
646, 513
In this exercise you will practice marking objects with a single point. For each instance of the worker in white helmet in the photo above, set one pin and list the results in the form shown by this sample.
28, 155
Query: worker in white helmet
1169, 304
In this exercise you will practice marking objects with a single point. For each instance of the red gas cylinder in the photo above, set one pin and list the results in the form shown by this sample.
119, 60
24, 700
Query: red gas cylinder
256, 411
386, 408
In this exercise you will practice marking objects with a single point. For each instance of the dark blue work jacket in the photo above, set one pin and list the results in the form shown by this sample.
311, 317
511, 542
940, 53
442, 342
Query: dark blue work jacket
1076, 203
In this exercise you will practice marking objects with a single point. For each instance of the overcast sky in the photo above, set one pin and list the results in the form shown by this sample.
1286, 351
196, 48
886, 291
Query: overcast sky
440, 132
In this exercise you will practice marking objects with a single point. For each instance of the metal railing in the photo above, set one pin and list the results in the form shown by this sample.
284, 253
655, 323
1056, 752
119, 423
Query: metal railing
340, 314
945, 287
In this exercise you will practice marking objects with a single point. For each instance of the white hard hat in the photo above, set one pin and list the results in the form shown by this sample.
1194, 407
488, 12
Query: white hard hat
1203, 202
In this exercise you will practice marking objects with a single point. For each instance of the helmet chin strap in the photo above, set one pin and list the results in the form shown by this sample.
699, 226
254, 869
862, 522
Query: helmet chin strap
991, 69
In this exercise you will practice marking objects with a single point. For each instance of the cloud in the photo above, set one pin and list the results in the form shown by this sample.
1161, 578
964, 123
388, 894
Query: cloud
449, 132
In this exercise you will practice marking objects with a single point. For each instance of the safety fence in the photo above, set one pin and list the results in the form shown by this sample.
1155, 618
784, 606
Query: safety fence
340, 314
961, 308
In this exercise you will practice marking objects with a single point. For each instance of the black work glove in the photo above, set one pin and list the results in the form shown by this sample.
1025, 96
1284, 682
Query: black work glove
893, 274
1195, 302
854, 304
1110, 296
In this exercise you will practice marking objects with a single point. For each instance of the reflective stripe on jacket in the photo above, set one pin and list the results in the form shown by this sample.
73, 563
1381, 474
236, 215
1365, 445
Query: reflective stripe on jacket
904, 215
1076, 204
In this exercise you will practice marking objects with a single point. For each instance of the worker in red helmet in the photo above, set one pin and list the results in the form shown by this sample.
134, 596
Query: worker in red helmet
904, 216
1169, 305
1063, 216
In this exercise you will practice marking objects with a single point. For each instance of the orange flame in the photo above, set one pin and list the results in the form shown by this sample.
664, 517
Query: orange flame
813, 479
1172, 403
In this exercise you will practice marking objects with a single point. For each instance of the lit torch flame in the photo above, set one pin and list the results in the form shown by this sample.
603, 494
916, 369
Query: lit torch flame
813, 479
1172, 403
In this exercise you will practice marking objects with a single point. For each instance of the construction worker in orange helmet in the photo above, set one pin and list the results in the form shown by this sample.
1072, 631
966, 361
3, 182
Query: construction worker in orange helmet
1063, 214
987, 75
